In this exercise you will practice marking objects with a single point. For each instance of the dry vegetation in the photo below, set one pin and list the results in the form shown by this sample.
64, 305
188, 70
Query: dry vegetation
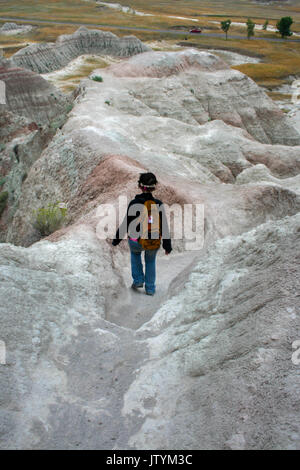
280, 62
69, 78
280, 59
89, 12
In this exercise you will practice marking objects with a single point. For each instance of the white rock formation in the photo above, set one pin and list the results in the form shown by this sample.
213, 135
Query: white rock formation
47, 57
10, 29
207, 362
219, 373
30, 95
34, 109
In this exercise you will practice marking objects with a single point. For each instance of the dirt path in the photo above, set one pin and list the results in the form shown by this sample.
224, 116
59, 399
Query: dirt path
102, 368
134, 308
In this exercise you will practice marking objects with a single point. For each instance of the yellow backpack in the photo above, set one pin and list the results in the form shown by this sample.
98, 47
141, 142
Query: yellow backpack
150, 238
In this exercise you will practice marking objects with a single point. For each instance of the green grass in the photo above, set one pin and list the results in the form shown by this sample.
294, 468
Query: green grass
97, 78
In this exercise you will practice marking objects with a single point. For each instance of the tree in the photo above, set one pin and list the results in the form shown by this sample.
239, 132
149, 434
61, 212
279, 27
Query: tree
250, 28
225, 25
283, 26
265, 26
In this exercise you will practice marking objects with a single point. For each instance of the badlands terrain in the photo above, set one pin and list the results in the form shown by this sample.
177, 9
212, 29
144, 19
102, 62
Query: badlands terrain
208, 362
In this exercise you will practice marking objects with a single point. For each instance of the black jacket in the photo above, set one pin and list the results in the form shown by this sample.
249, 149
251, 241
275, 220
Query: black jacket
140, 199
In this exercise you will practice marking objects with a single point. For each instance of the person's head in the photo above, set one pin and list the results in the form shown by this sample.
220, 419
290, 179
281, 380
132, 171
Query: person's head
147, 182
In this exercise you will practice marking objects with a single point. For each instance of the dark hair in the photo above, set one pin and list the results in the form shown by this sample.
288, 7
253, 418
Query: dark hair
147, 181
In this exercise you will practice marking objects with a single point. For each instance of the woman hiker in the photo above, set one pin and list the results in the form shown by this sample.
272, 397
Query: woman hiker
146, 225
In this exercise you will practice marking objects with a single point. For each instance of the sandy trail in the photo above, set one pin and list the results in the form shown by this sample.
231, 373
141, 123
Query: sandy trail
134, 308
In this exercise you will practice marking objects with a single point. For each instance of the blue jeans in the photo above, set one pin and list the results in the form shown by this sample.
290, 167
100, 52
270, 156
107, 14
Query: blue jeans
137, 267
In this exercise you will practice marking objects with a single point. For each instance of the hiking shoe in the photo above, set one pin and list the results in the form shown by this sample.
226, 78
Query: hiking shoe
136, 286
149, 293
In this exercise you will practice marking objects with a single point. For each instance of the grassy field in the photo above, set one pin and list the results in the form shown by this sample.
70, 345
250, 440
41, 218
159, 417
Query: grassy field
90, 12
280, 60
235, 8
80, 9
